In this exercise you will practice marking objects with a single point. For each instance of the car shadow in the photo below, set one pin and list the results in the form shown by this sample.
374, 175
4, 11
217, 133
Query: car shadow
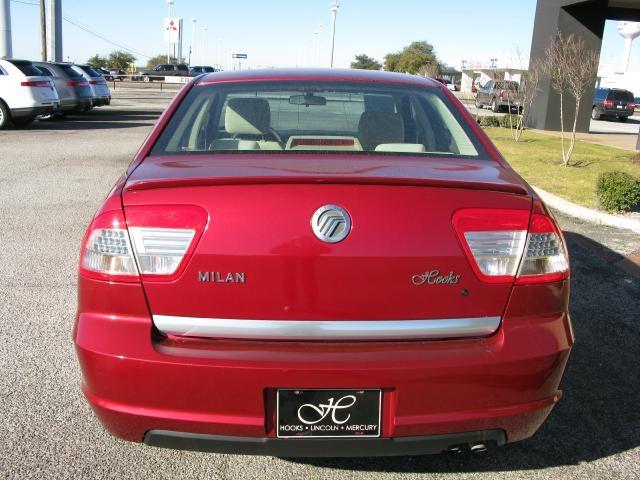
96, 119
598, 415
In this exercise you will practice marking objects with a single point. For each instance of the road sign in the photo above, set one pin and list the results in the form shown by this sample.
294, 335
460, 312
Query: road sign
171, 30
239, 55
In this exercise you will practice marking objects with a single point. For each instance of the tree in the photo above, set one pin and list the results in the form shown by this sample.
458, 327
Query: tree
391, 61
529, 88
572, 69
429, 70
411, 58
97, 61
160, 59
365, 62
120, 59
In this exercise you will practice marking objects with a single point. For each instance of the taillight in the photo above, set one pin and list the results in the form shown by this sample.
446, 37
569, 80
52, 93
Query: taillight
631, 105
106, 251
504, 244
608, 104
77, 83
36, 83
97, 82
545, 256
501, 94
155, 242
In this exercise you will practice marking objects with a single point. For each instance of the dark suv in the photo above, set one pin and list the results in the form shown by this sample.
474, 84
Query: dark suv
165, 70
613, 102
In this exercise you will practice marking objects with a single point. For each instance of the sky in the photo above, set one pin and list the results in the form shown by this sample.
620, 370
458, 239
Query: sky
280, 32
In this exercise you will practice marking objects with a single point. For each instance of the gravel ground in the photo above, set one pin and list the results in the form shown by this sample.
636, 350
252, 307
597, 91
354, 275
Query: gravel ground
53, 176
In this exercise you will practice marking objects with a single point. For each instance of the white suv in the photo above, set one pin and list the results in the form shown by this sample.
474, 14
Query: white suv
24, 93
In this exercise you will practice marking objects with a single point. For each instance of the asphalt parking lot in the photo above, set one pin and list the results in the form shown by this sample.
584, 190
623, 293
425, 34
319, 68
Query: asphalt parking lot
52, 178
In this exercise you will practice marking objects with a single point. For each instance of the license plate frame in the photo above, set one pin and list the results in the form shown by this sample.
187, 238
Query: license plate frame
357, 413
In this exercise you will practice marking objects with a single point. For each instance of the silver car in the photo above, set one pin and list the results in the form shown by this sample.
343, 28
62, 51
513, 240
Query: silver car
98, 84
499, 95
73, 89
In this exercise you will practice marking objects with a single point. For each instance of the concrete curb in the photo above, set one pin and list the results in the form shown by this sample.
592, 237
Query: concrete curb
587, 214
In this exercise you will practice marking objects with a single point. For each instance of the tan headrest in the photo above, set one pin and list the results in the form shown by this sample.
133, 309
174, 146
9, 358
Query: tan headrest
247, 116
380, 127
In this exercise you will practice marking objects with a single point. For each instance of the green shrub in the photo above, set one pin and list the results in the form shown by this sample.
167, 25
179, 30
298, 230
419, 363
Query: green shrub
490, 121
513, 123
618, 191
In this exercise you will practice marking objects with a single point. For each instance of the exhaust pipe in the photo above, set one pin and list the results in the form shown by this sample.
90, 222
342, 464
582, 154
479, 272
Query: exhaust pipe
478, 448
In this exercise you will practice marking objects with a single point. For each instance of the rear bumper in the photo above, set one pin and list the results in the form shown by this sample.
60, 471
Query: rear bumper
101, 101
379, 447
614, 112
35, 111
139, 383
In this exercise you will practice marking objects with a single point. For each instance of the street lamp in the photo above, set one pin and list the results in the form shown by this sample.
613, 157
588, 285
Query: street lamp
334, 13
169, 3
193, 37
204, 44
316, 33
320, 27
220, 52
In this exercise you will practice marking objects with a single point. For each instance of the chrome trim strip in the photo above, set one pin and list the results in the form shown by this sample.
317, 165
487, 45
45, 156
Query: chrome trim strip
326, 329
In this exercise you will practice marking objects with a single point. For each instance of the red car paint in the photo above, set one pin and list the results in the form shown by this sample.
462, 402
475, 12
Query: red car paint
137, 379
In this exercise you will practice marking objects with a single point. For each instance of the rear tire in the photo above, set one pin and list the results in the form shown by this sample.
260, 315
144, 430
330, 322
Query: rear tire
623, 119
494, 106
5, 116
595, 115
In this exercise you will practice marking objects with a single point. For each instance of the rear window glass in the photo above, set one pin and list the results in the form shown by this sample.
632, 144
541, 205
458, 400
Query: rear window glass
69, 70
29, 69
507, 86
321, 117
620, 96
91, 72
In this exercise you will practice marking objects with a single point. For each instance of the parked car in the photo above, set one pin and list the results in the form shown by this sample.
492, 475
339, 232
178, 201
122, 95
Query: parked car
613, 102
165, 70
330, 280
115, 74
98, 84
102, 71
637, 101
24, 93
498, 95
73, 89
198, 70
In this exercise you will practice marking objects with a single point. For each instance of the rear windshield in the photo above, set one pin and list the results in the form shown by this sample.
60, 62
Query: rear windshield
620, 96
70, 71
91, 72
320, 117
29, 69
507, 86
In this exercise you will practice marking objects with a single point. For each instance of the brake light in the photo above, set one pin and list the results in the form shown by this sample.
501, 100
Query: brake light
545, 256
77, 83
503, 244
97, 82
608, 104
36, 83
154, 242
106, 250
501, 94
631, 105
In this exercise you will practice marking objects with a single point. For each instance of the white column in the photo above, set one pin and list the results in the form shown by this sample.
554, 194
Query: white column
6, 49
334, 14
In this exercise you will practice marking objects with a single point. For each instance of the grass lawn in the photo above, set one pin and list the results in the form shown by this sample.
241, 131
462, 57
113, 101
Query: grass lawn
538, 158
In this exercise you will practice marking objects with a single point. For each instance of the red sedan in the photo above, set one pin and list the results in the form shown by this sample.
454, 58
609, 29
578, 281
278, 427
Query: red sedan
321, 263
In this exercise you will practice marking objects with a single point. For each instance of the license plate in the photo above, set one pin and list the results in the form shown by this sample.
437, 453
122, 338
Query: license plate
328, 413
620, 106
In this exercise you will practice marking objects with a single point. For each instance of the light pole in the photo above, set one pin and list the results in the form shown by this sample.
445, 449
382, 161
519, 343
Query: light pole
334, 13
193, 38
169, 3
204, 44
314, 51
219, 53
317, 54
